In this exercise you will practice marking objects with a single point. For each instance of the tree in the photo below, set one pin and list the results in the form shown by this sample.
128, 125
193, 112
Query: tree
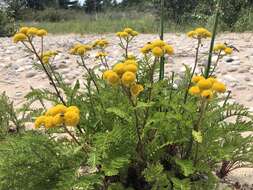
93, 5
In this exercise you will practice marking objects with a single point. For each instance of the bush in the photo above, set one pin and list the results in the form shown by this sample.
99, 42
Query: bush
32, 161
7, 26
49, 14
245, 21
131, 127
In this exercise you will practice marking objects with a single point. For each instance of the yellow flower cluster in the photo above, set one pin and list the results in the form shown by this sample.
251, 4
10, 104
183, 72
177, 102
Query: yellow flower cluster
127, 32
199, 33
80, 49
125, 74
206, 88
25, 32
158, 48
101, 55
102, 43
222, 48
47, 55
59, 115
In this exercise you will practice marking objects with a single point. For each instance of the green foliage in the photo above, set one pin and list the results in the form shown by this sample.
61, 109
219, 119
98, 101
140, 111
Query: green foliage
7, 26
157, 140
33, 161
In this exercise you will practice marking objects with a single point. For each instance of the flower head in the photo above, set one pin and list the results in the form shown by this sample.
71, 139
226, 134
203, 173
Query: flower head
128, 78
58, 120
41, 33
206, 87
208, 94
73, 108
111, 77
131, 67
194, 90
219, 87
19, 37
228, 50
71, 118
119, 68
157, 51
80, 49
136, 89
196, 79
32, 31
204, 84
23, 30
199, 33
39, 121
58, 109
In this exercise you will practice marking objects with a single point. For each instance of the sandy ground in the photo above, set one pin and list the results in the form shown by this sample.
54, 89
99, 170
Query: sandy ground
17, 74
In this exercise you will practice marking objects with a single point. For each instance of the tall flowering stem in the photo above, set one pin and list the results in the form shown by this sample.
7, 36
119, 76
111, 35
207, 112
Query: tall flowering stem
196, 128
46, 71
161, 74
90, 74
193, 70
208, 67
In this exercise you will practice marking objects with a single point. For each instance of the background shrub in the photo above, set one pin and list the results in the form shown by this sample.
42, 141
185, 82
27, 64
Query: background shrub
7, 24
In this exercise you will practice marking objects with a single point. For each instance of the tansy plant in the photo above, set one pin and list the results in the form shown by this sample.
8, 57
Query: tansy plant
133, 130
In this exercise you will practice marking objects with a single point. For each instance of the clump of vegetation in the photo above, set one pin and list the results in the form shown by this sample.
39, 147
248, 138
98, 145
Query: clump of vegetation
111, 16
7, 24
131, 128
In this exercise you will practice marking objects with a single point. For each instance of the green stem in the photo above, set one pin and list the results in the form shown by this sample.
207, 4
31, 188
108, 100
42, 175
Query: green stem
216, 63
47, 73
161, 74
226, 100
208, 67
90, 74
196, 127
193, 71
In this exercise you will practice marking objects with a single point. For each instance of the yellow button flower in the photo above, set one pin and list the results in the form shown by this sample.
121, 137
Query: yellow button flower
39, 121
45, 59
32, 31
208, 94
71, 118
81, 51
113, 78
128, 78
49, 122
58, 109
136, 89
41, 33
131, 67
157, 51
73, 108
128, 30
23, 30
212, 80
196, 79
134, 33
58, 120
219, 47
19, 37
123, 34
191, 34
119, 68
168, 49
158, 43
194, 90
219, 87
204, 84
203, 33
131, 62
107, 73
228, 50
